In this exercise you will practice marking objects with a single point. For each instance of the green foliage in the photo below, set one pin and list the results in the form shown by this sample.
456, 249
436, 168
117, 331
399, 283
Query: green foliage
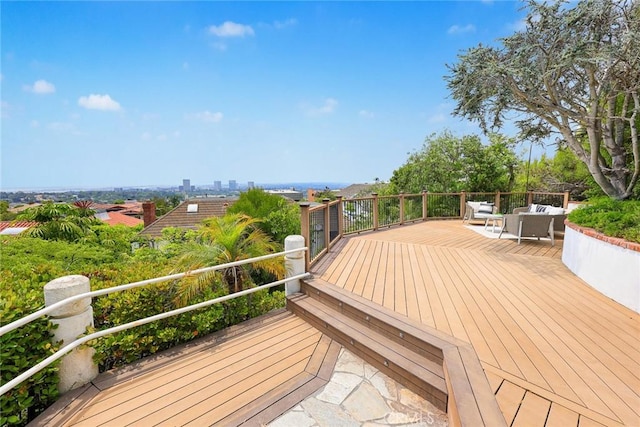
563, 172
327, 193
5, 215
573, 71
614, 218
165, 204
278, 216
24, 347
233, 237
59, 221
448, 164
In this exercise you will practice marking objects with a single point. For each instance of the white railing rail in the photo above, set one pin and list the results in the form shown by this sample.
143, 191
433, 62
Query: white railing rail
80, 341
33, 316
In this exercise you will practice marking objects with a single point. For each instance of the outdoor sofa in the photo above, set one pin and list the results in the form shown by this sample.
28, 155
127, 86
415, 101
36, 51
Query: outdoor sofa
558, 214
526, 224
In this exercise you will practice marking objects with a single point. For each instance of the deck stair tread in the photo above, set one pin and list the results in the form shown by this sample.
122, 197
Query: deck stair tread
415, 371
423, 374
443, 369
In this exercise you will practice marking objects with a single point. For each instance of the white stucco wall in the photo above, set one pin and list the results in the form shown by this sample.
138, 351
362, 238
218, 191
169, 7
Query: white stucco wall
611, 269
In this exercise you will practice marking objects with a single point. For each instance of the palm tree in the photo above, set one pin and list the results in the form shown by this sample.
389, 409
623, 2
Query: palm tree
60, 221
233, 237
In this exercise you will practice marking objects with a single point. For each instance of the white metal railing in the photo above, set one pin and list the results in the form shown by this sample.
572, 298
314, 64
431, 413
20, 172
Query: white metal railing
78, 342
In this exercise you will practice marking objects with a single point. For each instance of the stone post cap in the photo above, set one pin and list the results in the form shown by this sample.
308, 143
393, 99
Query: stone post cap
65, 287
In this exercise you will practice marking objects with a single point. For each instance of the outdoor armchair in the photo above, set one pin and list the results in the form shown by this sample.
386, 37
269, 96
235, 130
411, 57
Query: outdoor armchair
479, 211
528, 225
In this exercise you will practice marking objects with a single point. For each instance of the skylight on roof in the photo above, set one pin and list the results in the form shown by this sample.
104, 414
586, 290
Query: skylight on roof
192, 208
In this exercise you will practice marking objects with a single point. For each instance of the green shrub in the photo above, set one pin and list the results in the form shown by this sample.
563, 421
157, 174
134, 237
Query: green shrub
21, 349
611, 217
30, 263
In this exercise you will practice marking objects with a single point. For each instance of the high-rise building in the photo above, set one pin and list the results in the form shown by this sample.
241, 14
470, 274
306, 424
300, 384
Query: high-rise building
251, 185
217, 185
186, 185
232, 185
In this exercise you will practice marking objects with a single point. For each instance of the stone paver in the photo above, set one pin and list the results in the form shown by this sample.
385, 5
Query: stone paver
360, 395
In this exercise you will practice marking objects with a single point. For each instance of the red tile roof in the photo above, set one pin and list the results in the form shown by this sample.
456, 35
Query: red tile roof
115, 218
16, 224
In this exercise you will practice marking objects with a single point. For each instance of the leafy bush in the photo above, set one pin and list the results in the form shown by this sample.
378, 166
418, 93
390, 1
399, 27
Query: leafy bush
105, 257
21, 349
130, 345
611, 217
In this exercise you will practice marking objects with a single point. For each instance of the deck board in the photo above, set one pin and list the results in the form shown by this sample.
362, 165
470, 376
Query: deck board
269, 365
555, 351
572, 352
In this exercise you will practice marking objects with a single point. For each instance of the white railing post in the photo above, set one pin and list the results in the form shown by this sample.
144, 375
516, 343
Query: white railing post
76, 368
294, 262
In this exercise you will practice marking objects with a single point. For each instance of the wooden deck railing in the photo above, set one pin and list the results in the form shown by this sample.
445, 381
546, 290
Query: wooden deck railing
322, 225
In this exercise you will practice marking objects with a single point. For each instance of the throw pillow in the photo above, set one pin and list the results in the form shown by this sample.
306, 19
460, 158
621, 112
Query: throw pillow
541, 208
533, 208
485, 208
555, 211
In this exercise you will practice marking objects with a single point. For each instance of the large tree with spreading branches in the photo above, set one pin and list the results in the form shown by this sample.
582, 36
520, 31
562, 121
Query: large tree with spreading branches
572, 71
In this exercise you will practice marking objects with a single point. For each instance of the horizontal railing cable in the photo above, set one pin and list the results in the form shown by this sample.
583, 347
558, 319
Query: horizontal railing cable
78, 342
33, 316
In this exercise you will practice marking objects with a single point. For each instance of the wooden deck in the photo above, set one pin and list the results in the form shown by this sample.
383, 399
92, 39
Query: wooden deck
247, 374
556, 352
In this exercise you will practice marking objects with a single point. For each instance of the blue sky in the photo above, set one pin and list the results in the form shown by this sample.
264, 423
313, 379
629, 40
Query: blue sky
104, 94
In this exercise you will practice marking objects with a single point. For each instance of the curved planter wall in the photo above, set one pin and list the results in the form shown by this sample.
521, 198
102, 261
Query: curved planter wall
610, 265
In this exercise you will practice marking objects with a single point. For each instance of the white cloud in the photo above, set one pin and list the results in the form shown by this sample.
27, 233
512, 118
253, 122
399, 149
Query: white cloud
366, 114
40, 87
328, 107
208, 116
437, 118
98, 102
520, 25
457, 29
219, 46
291, 22
231, 29
62, 127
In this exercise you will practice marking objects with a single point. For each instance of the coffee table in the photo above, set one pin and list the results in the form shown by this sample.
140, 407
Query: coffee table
494, 218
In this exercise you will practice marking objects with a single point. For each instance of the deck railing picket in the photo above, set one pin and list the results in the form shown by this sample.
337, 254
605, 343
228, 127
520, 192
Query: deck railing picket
323, 225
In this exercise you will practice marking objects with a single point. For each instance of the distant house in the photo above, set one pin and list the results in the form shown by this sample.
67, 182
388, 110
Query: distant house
15, 227
187, 215
117, 218
130, 208
355, 190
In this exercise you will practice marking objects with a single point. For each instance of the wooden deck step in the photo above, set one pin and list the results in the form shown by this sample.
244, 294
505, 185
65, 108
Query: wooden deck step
411, 369
441, 368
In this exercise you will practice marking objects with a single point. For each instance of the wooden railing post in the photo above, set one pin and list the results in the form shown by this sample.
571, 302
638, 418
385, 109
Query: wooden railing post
497, 202
565, 202
305, 232
77, 367
424, 205
401, 196
375, 210
327, 224
529, 198
463, 203
340, 218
